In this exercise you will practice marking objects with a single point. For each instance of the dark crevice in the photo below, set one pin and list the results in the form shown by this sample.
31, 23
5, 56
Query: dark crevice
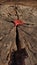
17, 38
18, 57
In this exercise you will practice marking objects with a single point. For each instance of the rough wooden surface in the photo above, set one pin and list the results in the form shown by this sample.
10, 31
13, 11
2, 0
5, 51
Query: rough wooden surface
27, 33
21, 2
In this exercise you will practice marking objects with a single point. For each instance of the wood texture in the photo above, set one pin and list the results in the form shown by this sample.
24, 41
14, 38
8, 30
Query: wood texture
21, 2
27, 32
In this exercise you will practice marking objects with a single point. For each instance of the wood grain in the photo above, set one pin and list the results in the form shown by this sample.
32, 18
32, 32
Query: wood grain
27, 32
21, 2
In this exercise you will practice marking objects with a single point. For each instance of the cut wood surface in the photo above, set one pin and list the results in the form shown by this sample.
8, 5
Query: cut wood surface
27, 33
21, 2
